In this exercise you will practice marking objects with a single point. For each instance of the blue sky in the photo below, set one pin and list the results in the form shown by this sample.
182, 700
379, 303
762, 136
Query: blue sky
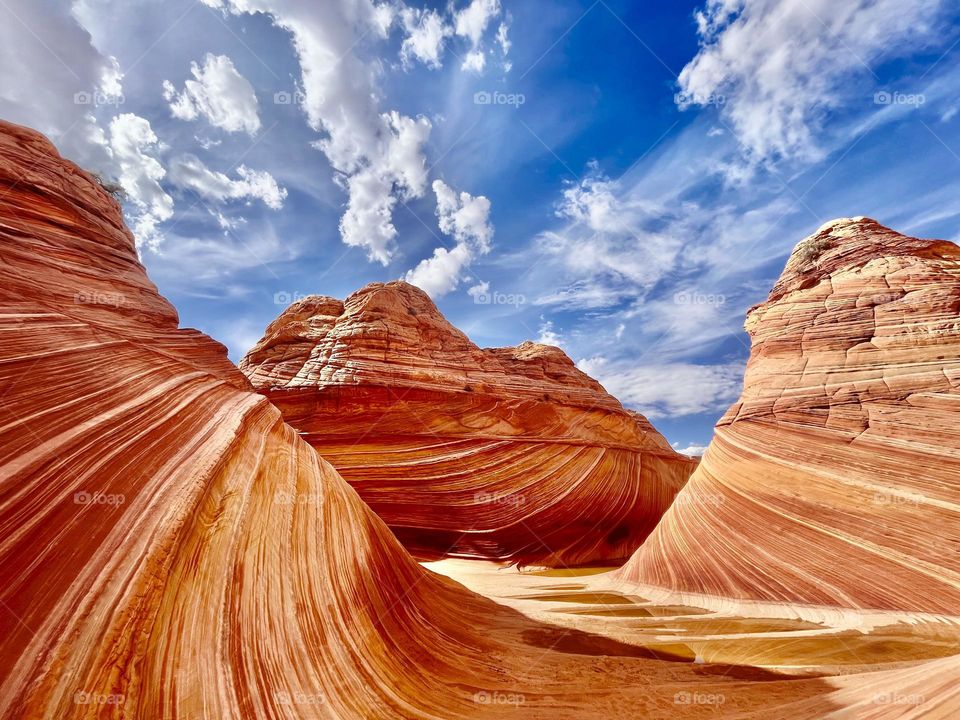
624, 179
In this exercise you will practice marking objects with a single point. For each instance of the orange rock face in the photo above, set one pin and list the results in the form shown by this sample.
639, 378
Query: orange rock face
168, 547
505, 453
835, 479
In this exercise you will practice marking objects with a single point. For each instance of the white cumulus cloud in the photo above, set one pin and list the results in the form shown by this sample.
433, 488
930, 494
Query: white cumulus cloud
547, 335
441, 272
426, 34
134, 147
466, 219
471, 22
594, 202
218, 93
692, 450
667, 389
378, 155
52, 72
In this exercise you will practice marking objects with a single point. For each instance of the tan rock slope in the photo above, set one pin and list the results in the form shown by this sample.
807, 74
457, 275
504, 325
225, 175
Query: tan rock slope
835, 480
505, 453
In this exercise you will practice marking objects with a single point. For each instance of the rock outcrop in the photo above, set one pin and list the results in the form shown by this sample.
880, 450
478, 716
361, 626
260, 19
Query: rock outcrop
169, 548
835, 480
505, 453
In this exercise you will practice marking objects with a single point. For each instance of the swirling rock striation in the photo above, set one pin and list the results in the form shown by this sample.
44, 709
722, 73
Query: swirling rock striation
169, 548
835, 480
505, 453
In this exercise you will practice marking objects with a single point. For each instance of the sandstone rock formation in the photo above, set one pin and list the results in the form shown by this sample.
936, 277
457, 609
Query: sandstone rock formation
505, 453
169, 548
835, 480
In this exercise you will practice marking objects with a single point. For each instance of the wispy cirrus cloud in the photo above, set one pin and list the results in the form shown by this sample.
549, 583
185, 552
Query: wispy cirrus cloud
782, 66
668, 389
188, 171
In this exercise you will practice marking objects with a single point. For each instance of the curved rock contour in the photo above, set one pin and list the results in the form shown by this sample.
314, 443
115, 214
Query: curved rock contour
835, 480
169, 548
505, 453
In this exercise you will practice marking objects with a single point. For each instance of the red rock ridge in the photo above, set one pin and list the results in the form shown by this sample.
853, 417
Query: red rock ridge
503, 453
834, 480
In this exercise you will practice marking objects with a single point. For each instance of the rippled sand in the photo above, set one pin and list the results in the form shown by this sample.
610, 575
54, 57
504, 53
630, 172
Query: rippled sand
686, 634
